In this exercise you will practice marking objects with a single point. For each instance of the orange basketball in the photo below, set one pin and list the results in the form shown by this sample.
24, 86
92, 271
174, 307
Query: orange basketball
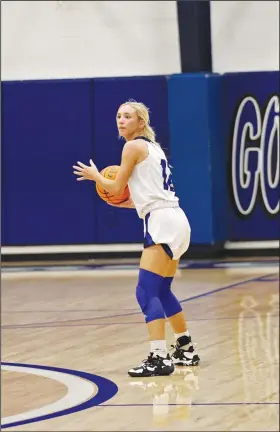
110, 173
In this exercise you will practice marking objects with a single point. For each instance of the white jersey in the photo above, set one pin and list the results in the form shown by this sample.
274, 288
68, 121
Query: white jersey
150, 183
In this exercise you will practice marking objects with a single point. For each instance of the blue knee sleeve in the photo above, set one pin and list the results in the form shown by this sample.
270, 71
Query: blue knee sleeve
147, 294
170, 304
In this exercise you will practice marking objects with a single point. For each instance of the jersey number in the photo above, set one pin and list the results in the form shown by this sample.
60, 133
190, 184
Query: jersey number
167, 179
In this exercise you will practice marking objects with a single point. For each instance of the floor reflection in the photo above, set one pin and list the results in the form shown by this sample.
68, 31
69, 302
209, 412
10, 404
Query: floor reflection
258, 341
171, 397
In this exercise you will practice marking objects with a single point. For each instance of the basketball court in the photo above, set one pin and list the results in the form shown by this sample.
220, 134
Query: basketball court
71, 332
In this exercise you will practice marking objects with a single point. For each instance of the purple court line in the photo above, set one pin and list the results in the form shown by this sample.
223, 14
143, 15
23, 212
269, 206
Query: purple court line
140, 313
66, 311
45, 325
259, 278
256, 279
192, 404
87, 319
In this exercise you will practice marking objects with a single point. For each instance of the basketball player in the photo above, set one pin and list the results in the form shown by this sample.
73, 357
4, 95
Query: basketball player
145, 169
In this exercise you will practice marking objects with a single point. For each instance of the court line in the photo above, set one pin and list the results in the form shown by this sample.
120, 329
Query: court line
192, 404
126, 405
255, 279
216, 290
70, 311
259, 279
82, 319
188, 264
78, 391
84, 391
23, 326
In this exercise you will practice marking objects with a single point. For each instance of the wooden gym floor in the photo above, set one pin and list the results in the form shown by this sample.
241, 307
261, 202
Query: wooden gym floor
69, 334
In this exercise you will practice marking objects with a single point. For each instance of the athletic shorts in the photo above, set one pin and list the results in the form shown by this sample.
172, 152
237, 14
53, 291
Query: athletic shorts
170, 228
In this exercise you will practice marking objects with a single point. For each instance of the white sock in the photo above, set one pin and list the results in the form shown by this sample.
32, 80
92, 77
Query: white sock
159, 347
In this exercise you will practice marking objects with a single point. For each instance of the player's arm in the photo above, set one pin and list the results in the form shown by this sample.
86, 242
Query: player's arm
127, 204
130, 156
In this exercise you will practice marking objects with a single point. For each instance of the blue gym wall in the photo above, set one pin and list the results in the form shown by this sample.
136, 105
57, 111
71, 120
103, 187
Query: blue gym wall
49, 125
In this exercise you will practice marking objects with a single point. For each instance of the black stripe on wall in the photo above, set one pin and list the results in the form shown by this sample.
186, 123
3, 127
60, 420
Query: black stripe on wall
195, 35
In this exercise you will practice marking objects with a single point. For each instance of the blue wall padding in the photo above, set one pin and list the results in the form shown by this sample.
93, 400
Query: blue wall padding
193, 118
46, 127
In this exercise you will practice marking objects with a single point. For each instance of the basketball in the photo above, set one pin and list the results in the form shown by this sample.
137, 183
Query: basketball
110, 173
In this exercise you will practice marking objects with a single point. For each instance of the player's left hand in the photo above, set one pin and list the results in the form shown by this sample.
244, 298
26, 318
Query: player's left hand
86, 172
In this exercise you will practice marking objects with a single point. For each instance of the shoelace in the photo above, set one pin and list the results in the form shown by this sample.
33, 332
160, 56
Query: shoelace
175, 347
149, 359
152, 358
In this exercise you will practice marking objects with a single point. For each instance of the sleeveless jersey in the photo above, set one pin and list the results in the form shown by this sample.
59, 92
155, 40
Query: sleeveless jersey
150, 183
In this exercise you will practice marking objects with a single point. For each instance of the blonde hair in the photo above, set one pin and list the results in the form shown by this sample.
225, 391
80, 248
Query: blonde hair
143, 113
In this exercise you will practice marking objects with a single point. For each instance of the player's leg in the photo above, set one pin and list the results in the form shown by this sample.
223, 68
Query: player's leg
170, 303
184, 353
153, 266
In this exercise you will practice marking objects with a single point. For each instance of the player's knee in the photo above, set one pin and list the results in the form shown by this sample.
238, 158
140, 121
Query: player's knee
169, 301
147, 294
165, 288
142, 298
